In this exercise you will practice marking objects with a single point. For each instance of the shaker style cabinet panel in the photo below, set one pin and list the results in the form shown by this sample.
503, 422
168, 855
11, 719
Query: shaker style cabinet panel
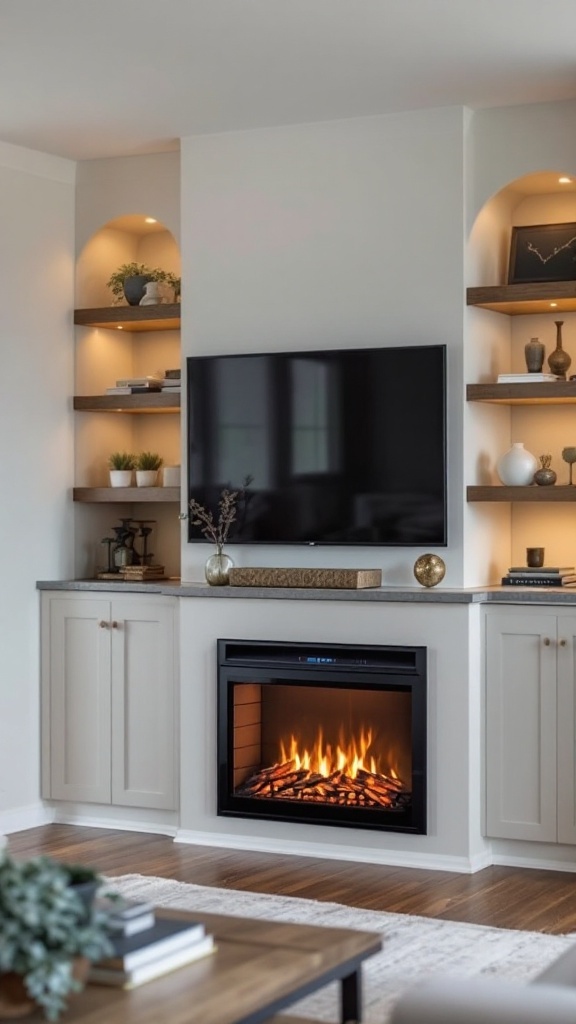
530, 756
109, 691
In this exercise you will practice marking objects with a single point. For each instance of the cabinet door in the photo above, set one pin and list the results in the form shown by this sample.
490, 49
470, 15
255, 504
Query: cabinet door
566, 727
76, 695
521, 722
144, 741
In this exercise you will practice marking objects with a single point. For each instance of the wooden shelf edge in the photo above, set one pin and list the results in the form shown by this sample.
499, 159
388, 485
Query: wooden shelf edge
555, 493
156, 402
522, 299
163, 317
117, 495
546, 393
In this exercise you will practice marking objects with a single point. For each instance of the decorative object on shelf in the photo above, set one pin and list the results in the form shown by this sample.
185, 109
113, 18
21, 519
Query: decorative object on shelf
321, 579
517, 466
121, 466
569, 456
151, 295
534, 558
534, 355
545, 476
218, 566
130, 279
147, 466
542, 252
123, 552
50, 931
171, 476
559, 360
429, 570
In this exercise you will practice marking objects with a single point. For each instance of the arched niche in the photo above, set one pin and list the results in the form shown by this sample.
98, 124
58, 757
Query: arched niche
132, 238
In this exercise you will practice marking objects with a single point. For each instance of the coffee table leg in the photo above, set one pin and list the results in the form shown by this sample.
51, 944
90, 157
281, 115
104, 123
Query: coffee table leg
351, 997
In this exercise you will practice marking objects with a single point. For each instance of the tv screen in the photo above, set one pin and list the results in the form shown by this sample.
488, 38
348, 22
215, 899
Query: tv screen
338, 446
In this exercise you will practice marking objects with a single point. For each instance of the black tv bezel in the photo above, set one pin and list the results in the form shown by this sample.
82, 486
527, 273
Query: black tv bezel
200, 539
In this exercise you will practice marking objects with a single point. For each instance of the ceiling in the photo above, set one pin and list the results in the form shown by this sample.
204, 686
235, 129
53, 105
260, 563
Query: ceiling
101, 78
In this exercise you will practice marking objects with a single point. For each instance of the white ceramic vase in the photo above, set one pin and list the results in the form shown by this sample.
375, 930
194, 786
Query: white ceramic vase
120, 478
516, 467
146, 477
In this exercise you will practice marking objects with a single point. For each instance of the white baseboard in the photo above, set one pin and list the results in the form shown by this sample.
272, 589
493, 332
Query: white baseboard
62, 816
393, 858
21, 818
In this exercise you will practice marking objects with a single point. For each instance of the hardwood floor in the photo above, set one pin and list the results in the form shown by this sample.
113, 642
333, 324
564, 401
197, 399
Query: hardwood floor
503, 897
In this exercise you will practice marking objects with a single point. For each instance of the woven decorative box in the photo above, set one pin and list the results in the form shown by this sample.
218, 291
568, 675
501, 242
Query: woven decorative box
329, 579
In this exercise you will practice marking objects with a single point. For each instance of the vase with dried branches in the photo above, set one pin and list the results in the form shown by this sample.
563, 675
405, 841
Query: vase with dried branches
217, 568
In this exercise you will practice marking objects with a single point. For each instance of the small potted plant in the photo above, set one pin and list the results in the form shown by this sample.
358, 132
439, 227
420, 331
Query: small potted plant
121, 466
130, 279
147, 466
50, 932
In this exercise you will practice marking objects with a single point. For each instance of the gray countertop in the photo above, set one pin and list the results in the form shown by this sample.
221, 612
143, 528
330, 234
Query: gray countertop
414, 595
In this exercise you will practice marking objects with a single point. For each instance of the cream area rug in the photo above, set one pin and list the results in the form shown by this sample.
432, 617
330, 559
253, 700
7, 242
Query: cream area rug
414, 948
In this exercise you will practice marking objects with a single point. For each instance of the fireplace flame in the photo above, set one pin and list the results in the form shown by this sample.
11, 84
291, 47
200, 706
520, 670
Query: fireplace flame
347, 757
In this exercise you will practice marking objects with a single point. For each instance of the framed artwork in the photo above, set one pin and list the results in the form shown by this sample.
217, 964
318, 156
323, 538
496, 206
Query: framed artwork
543, 252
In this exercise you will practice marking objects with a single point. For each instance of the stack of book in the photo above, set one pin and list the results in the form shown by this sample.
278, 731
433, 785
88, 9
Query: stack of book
137, 385
142, 572
547, 576
147, 946
172, 381
526, 378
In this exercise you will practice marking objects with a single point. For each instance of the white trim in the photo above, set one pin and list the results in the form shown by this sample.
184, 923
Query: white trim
21, 818
88, 820
432, 862
537, 863
32, 161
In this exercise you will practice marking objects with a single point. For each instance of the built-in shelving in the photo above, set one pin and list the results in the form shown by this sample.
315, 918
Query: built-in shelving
162, 317
523, 299
119, 495
531, 493
157, 401
547, 393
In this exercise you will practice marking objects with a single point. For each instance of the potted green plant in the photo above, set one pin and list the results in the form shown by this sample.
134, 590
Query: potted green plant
130, 279
147, 466
50, 932
121, 466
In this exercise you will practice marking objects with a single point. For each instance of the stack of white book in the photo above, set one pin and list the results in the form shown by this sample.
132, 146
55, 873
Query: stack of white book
526, 378
147, 946
136, 385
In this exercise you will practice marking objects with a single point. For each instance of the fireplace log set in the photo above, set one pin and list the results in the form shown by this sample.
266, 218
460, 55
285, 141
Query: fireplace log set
288, 782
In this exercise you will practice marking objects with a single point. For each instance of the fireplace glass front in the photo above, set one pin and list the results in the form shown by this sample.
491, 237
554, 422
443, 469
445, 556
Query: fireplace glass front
330, 734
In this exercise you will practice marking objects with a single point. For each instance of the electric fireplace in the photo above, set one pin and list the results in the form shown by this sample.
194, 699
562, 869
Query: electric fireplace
328, 734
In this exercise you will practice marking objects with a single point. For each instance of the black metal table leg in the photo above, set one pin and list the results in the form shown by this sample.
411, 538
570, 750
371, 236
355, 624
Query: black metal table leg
351, 997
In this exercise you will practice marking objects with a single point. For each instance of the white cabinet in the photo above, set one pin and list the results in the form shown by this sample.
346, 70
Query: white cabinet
109, 693
530, 729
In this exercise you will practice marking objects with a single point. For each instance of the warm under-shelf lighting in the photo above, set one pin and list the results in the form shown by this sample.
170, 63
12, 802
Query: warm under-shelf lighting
564, 180
552, 304
152, 220
119, 327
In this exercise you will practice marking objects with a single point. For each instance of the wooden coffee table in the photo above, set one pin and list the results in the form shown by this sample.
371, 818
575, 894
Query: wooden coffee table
258, 969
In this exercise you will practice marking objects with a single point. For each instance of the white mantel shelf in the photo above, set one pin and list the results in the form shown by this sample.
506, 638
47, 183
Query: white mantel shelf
407, 595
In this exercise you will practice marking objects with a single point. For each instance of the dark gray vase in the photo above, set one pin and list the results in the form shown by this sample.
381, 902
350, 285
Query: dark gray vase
134, 288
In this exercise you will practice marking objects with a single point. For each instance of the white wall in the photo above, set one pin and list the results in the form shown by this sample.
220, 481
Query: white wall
344, 233
37, 244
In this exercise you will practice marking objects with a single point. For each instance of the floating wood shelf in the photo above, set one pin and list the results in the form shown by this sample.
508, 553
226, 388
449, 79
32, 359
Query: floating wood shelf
547, 393
162, 317
157, 401
117, 495
522, 299
532, 493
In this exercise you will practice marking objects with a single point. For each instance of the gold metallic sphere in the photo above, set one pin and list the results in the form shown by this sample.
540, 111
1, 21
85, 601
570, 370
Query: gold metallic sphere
429, 570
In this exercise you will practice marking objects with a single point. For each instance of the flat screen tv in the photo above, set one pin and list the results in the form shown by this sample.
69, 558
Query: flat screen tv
338, 446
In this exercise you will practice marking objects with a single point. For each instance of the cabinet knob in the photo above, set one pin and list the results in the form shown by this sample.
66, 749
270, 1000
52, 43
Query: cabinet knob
114, 624
103, 624
562, 643
546, 641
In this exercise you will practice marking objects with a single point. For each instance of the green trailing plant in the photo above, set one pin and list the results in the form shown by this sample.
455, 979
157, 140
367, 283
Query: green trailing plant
121, 460
148, 460
46, 923
116, 280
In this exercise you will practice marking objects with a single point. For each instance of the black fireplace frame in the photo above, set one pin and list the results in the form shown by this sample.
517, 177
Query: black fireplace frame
383, 667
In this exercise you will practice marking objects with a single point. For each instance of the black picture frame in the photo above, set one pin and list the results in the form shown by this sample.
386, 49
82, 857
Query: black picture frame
542, 252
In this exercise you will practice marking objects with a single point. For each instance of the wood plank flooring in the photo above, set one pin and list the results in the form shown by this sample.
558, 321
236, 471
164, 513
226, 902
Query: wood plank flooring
503, 897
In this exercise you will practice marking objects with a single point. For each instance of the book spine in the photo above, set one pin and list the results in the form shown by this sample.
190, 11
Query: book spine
531, 581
